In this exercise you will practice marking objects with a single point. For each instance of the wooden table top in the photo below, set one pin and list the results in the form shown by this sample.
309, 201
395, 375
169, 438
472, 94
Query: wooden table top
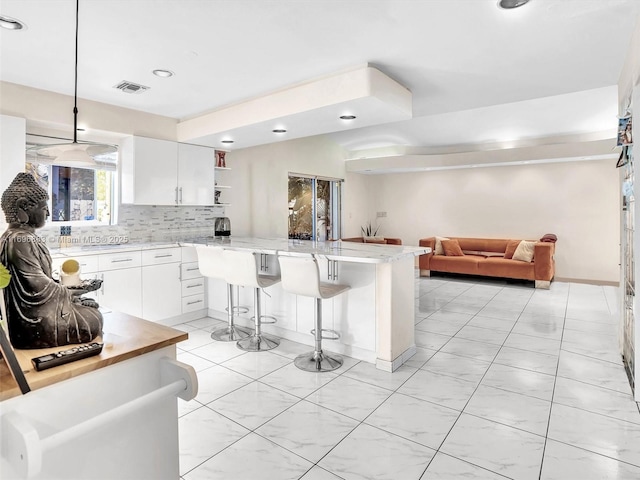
124, 337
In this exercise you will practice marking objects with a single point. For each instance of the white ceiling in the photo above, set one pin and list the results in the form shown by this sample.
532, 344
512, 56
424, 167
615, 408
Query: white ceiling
477, 73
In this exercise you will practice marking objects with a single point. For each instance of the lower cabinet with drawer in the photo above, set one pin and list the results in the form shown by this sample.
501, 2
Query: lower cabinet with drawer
158, 284
121, 282
193, 296
161, 286
120, 274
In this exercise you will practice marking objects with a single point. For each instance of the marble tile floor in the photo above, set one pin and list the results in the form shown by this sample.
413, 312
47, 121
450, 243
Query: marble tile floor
508, 382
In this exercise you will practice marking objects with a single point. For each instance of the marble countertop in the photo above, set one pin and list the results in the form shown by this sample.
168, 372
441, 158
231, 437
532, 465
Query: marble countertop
332, 250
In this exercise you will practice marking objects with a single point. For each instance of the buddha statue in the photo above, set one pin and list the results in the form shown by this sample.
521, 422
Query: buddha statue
41, 312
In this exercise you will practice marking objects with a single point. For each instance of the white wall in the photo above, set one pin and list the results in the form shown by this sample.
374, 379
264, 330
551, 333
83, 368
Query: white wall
578, 201
260, 178
12, 135
44, 109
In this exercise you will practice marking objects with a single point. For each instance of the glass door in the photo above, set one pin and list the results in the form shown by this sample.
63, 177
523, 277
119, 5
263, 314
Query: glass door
314, 207
628, 270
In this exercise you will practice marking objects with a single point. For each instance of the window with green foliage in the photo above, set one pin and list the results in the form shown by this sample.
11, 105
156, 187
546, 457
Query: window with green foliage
76, 194
314, 207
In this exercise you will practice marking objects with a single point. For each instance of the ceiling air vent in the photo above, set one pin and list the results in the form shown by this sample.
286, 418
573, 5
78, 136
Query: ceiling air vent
130, 87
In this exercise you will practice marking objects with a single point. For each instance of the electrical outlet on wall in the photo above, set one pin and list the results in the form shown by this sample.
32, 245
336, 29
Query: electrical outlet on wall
381, 214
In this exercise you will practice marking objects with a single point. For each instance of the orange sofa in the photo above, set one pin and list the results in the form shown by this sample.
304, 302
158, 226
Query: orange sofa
486, 256
385, 240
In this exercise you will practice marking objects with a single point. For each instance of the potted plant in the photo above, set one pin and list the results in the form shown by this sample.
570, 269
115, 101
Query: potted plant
369, 231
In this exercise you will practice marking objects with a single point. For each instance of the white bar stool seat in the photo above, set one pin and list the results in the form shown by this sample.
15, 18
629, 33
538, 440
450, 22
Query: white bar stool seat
301, 276
243, 269
211, 264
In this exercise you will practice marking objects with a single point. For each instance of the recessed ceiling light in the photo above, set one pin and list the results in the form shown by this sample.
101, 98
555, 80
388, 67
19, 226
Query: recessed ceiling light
11, 23
279, 130
509, 4
347, 117
163, 73
227, 141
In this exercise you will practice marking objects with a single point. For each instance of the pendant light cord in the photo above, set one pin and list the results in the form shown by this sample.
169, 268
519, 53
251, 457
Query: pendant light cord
75, 92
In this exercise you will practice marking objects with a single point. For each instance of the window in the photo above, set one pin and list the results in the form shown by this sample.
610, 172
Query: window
76, 195
314, 207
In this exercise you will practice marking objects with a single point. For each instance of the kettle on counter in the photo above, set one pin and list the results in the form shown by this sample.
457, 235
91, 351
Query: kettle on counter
222, 227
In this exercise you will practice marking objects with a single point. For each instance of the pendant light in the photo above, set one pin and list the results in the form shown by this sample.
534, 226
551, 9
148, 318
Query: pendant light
74, 154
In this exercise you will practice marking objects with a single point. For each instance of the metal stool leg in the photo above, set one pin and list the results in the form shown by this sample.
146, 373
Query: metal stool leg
238, 308
258, 342
318, 361
230, 333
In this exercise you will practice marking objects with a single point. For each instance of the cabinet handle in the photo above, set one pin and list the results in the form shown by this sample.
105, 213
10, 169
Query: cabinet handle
194, 302
195, 285
123, 260
176, 195
163, 256
180, 194
192, 269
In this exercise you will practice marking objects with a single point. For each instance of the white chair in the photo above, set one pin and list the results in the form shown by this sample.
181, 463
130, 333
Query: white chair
301, 275
243, 269
211, 264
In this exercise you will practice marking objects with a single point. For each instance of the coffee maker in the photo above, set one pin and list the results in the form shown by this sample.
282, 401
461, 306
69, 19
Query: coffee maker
222, 227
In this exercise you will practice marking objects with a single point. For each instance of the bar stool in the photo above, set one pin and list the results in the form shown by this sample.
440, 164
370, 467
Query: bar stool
211, 264
301, 275
243, 269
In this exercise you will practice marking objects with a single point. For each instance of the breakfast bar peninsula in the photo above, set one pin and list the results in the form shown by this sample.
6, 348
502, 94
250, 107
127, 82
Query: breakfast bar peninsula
374, 318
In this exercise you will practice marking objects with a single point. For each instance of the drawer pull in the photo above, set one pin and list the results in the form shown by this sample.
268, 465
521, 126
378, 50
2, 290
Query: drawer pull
195, 285
163, 256
123, 260
194, 302
192, 269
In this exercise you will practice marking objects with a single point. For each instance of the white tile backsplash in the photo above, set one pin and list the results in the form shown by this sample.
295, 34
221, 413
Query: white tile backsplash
142, 223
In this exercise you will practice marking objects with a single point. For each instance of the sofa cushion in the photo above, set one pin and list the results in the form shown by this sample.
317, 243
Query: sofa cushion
439, 250
452, 248
524, 252
511, 248
501, 267
465, 264
496, 245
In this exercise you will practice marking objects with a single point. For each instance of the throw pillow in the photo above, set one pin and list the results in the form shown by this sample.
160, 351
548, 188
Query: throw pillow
439, 250
511, 248
452, 248
524, 252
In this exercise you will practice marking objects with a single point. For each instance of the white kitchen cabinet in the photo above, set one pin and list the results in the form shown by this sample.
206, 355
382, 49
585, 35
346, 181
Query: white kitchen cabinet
161, 286
161, 172
196, 175
149, 171
121, 282
121, 290
193, 283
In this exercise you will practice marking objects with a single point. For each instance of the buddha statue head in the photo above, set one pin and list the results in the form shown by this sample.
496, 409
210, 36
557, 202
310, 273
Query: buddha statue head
25, 202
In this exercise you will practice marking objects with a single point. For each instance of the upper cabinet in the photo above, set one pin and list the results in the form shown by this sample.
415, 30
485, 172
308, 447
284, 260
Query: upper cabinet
161, 172
196, 175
